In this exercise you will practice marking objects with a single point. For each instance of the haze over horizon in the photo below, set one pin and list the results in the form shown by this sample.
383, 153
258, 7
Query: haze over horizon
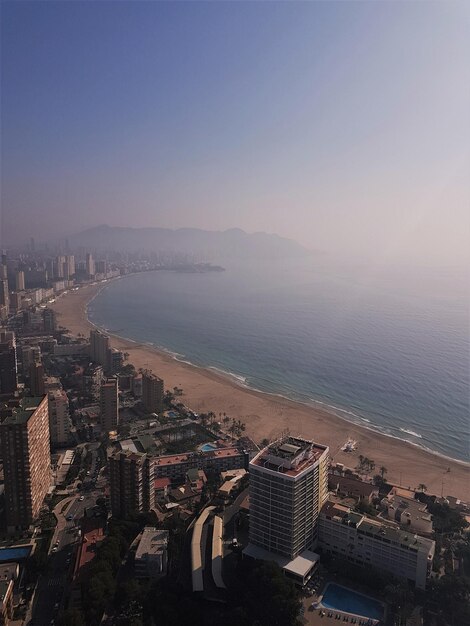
343, 126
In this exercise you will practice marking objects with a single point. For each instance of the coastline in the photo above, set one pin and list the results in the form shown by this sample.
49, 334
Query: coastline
267, 414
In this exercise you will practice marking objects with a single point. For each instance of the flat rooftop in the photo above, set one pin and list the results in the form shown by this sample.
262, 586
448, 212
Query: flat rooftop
153, 541
290, 456
175, 459
299, 566
21, 414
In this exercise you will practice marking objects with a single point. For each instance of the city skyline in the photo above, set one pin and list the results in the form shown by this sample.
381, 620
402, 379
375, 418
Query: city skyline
341, 125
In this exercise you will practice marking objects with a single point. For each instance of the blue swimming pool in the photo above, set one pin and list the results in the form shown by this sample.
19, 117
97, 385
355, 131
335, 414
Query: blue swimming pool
14, 554
207, 447
344, 599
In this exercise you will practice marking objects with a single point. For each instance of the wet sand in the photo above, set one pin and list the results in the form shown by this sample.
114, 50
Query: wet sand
268, 415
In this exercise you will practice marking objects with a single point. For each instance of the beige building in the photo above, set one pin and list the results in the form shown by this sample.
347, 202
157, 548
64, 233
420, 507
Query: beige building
25, 452
151, 557
408, 512
99, 346
372, 543
152, 393
59, 417
130, 481
19, 280
109, 405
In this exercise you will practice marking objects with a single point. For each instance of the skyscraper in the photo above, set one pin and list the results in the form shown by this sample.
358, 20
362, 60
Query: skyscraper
59, 418
19, 280
4, 295
99, 347
288, 486
24, 448
90, 265
36, 379
109, 405
130, 480
152, 392
69, 267
8, 365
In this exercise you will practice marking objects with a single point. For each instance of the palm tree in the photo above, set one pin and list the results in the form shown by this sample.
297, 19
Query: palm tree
422, 487
361, 461
383, 470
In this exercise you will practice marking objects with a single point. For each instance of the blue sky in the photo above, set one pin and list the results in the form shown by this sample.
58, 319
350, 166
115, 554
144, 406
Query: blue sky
344, 125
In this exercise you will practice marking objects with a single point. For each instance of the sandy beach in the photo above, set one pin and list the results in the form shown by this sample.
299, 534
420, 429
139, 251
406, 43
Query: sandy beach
268, 415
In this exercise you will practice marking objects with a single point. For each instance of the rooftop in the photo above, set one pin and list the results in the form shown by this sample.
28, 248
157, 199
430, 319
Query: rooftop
290, 455
21, 414
153, 541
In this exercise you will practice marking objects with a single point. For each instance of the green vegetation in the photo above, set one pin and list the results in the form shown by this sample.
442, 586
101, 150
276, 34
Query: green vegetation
445, 519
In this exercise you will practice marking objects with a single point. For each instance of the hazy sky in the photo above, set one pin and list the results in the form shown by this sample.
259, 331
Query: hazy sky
343, 125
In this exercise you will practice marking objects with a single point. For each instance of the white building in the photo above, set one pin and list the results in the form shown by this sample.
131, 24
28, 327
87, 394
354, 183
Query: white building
151, 557
372, 543
407, 511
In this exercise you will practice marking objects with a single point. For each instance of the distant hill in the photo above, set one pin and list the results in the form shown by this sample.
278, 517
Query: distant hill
204, 244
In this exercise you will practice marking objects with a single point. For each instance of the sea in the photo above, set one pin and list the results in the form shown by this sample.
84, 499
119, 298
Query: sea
384, 347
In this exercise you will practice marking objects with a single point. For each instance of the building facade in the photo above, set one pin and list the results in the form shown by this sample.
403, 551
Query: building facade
109, 404
8, 364
372, 543
288, 486
36, 379
59, 417
25, 451
130, 481
152, 393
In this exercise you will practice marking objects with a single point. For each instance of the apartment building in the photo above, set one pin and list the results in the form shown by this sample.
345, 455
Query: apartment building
130, 478
25, 452
152, 393
373, 543
176, 466
109, 405
59, 417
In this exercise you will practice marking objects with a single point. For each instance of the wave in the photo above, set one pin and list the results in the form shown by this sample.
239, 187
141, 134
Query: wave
411, 432
237, 377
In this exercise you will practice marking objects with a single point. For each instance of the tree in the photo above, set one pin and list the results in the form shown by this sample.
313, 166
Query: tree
422, 487
383, 470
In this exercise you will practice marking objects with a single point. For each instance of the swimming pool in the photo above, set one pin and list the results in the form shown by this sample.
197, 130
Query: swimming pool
344, 599
14, 554
207, 447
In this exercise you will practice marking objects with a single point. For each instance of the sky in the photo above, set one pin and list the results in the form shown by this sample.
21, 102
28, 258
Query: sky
343, 125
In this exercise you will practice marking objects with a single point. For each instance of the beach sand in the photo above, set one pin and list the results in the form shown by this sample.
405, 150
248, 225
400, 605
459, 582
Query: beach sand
268, 415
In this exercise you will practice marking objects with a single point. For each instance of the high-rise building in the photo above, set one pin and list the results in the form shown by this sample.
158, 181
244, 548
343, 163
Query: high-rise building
101, 267
152, 393
36, 379
109, 405
8, 365
130, 481
50, 320
25, 452
288, 486
90, 265
59, 417
59, 266
99, 347
19, 281
69, 266
4, 295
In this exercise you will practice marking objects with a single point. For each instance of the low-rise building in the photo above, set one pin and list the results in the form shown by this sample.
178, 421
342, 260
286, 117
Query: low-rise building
351, 488
176, 466
407, 512
372, 543
151, 557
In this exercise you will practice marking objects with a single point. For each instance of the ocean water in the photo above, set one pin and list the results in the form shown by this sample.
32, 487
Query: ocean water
385, 348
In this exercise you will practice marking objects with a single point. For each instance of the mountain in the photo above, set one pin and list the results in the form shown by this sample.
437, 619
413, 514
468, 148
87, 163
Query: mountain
204, 244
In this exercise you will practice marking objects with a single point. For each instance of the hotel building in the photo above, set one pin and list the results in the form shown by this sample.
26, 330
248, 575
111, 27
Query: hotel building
152, 393
372, 543
24, 449
288, 486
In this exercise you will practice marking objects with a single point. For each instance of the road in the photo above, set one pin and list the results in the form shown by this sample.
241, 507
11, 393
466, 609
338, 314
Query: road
53, 584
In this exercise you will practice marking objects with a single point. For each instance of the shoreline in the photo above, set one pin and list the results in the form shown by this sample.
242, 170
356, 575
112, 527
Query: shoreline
267, 414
